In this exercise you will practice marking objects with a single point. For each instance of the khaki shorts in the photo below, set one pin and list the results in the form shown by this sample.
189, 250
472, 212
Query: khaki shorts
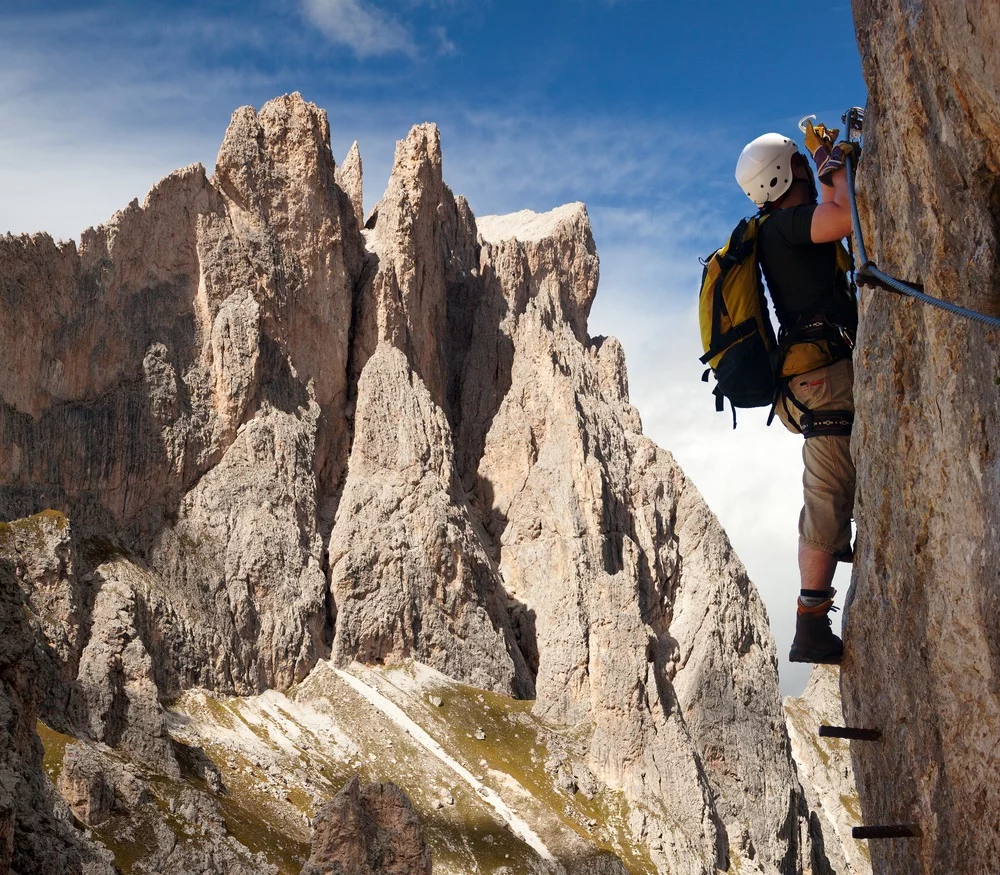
828, 476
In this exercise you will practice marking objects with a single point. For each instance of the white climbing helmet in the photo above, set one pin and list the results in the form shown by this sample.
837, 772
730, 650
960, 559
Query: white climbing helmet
764, 170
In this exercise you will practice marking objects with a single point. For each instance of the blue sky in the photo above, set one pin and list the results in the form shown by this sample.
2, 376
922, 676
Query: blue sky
638, 108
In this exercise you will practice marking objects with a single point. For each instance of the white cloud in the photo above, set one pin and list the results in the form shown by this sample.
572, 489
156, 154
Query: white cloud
445, 45
71, 158
361, 26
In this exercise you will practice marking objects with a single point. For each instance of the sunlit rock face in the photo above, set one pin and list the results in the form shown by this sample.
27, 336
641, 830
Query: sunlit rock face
824, 767
280, 438
923, 642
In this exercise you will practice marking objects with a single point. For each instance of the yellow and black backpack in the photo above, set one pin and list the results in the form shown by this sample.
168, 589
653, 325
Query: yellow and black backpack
736, 332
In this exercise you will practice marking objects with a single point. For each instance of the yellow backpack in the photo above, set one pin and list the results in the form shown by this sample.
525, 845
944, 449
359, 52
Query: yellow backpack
736, 332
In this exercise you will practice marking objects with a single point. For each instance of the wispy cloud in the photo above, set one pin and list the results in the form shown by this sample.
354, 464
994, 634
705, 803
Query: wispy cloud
445, 45
361, 26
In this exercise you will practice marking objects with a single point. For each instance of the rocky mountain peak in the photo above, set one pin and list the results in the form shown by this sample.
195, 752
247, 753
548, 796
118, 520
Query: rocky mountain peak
349, 178
544, 237
286, 447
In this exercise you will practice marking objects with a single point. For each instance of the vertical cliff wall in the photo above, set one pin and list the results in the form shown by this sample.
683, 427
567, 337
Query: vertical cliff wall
922, 631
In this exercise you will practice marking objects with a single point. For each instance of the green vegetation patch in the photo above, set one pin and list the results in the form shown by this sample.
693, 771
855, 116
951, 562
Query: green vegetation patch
132, 839
220, 712
852, 805
98, 550
54, 746
515, 745
471, 828
301, 800
33, 527
250, 820
735, 862
257, 729
6, 539
252, 816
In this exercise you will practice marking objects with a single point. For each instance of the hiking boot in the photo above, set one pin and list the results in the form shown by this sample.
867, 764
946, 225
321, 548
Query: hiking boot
814, 640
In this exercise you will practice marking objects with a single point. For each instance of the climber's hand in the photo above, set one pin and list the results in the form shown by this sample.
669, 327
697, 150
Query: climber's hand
836, 160
819, 141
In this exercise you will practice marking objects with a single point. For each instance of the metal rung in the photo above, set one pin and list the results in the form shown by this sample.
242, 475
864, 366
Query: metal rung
850, 732
893, 831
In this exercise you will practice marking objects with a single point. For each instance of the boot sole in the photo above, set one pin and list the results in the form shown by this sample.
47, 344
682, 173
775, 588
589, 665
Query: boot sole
816, 658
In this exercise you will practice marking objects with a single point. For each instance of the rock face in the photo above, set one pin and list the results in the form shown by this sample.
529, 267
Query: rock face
368, 830
349, 178
193, 404
280, 438
96, 785
824, 767
40, 552
35, 835
923, 643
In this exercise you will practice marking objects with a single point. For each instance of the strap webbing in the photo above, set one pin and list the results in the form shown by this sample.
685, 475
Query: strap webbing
814, 423
825, 423
724, 341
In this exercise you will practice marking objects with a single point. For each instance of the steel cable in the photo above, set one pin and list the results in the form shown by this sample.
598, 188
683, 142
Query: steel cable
868, 269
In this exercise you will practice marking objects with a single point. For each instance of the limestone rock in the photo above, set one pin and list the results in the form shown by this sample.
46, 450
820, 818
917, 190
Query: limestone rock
95, 785
824, 767
245, 550
349, 178
33, 838
217, 304
921, 632
115, 697
369, 830
409, 572
212, 849
279, 439
619, 567
163, 826
726, 682
41, 551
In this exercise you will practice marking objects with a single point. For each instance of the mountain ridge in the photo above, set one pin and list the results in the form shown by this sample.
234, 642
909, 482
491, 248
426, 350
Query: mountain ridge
274, 439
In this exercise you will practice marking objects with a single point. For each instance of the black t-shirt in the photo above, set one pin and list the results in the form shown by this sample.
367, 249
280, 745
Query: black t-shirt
802, 276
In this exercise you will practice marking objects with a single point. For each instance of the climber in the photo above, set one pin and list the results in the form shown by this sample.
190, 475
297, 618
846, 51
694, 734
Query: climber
803, 262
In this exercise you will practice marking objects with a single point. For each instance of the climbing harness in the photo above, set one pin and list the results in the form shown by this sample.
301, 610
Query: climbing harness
868, 271
833, 342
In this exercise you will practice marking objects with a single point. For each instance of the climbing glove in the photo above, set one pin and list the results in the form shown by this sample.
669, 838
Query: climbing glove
837, 160
819, 137
826, 156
